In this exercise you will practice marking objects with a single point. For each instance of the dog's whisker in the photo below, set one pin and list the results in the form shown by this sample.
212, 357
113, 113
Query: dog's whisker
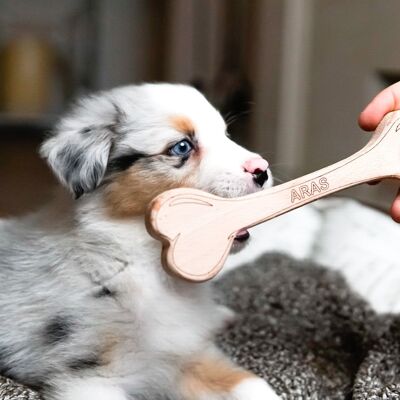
279, 180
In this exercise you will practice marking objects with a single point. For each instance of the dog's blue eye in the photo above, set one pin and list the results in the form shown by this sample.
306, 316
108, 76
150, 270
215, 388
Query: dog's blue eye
182, 148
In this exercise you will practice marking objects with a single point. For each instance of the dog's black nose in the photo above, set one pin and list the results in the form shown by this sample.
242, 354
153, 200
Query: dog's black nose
260, 177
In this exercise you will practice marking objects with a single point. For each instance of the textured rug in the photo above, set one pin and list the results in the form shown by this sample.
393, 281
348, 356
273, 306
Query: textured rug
301, 328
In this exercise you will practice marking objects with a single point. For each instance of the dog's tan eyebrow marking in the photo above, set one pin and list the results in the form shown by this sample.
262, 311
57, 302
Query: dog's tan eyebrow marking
183, 124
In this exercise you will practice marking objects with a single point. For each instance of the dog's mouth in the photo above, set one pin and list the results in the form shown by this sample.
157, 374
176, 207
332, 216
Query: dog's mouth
242, 235
240, 242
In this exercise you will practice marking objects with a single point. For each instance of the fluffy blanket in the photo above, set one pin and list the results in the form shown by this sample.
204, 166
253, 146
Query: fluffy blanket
301, 328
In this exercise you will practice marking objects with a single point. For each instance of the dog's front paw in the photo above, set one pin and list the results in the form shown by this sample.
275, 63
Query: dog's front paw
253, 389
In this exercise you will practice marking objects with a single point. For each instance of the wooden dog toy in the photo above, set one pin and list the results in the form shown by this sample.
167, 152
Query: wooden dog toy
197, 229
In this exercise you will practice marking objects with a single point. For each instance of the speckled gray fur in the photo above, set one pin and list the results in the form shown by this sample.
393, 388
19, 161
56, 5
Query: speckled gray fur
300, 327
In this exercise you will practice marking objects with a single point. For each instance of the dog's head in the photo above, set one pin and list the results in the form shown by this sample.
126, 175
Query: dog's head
134, 142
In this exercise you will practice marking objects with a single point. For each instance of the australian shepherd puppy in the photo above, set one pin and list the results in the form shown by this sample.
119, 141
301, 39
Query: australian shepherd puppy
86, 310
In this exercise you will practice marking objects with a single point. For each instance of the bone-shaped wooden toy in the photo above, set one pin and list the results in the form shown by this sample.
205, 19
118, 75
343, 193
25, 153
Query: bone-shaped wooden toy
197, 229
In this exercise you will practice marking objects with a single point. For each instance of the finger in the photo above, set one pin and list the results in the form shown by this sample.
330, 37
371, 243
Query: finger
395, 211
386, 101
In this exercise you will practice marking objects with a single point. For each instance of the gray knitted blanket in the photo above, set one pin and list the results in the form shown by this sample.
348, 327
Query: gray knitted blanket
300, 327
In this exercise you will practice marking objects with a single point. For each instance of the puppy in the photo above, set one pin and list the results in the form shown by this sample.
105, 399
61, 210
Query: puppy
86, 310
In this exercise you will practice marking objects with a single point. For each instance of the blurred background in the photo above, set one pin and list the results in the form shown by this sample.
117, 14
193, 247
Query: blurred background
290, 76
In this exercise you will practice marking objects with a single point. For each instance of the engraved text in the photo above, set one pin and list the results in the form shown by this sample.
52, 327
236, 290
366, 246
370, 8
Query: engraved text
309, 190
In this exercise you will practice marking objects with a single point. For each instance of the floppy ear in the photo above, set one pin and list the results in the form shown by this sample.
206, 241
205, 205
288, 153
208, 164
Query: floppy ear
79, 149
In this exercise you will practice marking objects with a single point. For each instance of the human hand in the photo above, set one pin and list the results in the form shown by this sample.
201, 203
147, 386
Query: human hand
386, 101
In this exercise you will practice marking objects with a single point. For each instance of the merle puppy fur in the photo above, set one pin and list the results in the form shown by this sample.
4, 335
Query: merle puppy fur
86, 311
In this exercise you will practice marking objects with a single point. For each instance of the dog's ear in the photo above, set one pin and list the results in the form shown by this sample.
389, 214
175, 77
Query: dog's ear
79, 149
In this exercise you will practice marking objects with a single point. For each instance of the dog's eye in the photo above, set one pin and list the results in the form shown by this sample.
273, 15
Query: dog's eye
182, 148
